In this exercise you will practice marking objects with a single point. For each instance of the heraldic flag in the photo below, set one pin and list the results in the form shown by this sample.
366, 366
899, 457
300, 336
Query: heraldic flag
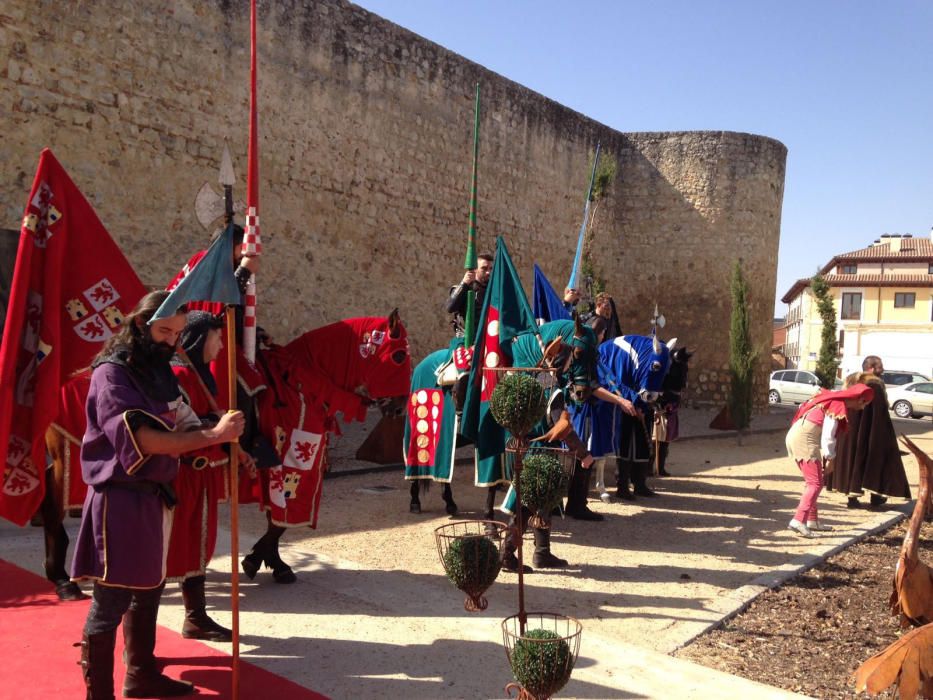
211, 279
71, 288
547, 305
505, 314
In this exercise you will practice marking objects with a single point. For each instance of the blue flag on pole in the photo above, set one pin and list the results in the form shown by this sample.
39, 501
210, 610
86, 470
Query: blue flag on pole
211, 279
547, 305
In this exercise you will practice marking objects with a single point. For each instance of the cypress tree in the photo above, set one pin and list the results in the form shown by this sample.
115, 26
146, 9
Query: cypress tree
828, 361
742, 356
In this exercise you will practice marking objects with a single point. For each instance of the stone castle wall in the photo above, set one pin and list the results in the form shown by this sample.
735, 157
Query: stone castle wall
366, 137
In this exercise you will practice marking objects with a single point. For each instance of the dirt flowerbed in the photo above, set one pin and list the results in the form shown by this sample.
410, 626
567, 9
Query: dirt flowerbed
811, 634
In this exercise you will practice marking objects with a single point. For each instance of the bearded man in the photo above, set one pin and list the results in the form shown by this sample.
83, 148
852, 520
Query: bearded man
137, 425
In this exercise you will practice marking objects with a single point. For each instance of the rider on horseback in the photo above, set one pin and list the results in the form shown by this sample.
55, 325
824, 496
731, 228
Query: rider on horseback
477, 280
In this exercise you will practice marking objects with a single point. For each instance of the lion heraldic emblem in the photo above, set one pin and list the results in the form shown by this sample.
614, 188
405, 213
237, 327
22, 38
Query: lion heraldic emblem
98, 326
303, 451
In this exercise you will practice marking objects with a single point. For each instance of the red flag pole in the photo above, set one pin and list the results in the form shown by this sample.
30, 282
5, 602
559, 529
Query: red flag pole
252, 243
234, 505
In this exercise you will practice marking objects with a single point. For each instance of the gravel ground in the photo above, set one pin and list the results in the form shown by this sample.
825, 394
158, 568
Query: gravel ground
810, 635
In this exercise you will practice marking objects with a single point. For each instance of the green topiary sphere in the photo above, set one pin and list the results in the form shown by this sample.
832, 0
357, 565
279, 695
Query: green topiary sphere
542, 667
472, 563
543, 482
517, 403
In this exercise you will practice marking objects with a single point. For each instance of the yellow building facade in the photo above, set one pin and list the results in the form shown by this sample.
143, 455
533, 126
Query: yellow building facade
883, 297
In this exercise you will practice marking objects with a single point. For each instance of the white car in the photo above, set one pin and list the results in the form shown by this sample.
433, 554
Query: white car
895, 377
911, 400
792, 386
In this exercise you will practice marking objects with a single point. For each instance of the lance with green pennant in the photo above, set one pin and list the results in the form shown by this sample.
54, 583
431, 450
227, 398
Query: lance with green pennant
469, 321
575, 270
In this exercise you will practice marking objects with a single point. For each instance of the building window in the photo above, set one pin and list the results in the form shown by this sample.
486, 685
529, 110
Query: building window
851, 306
848, 269
904, 300
842, 340
930, 269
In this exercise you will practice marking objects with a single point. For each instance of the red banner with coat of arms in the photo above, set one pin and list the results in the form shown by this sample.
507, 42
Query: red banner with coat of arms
71, 288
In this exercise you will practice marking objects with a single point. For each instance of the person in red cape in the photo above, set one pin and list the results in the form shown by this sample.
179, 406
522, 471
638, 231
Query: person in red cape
250, 387
202, 481
811, 443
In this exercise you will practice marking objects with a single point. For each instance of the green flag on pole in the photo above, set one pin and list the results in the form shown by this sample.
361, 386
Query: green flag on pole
469, 317
506, 313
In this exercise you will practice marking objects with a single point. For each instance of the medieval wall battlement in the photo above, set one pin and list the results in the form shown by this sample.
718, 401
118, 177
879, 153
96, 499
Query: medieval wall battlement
366, 136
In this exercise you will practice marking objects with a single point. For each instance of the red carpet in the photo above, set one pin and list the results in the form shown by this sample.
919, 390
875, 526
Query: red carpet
37, 631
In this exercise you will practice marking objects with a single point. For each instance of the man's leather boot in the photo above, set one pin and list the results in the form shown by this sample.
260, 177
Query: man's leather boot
143, 678
576, 495
97, 664
640, 480
507, 557
198, 625
543, 559
623, 474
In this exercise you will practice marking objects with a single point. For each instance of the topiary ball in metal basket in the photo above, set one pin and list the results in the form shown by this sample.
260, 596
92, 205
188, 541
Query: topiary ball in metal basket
470, 558
543, 483
518, 403
542, 658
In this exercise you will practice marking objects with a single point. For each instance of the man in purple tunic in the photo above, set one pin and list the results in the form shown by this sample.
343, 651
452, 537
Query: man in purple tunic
137, 426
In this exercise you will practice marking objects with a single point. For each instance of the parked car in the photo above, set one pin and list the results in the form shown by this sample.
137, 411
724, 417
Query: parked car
899, 378
911, 400
792, 386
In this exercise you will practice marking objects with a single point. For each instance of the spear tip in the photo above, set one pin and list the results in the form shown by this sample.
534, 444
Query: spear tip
227, 177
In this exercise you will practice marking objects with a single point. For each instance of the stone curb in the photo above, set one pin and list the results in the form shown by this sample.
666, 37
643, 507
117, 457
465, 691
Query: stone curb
737, 601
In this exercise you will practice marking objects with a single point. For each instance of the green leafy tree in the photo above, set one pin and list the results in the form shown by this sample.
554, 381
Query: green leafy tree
742, 356
828, 362
605, 175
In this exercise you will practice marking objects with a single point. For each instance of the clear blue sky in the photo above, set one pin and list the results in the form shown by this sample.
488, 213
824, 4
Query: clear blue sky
846, 86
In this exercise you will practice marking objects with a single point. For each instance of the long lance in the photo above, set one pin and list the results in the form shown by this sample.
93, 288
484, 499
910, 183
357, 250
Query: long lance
252, 242
234, 465
252, 246
227, 179
469, 322
575, 270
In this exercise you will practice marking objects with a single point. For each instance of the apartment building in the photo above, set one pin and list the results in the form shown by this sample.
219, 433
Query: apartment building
883, 296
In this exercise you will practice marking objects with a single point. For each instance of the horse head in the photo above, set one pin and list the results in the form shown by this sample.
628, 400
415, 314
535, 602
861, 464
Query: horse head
367, 355
676, 379
572, 352
582, 370
640, 362
385, 361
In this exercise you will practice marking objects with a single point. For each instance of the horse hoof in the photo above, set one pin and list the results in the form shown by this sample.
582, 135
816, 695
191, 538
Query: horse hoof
451, 508
284, 574
414, 507
250, 566
68, 590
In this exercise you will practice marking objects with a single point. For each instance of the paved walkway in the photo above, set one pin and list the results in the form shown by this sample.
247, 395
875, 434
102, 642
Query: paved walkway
373, 616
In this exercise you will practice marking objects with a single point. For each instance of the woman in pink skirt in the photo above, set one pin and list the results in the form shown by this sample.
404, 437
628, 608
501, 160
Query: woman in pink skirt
811, 443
